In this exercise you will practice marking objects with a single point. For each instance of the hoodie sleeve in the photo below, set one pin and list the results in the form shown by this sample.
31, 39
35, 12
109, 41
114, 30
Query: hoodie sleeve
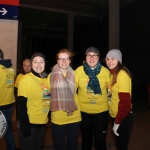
23, 116
124, 106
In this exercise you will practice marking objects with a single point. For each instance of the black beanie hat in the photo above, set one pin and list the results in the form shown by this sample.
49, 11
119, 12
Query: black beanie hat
1, 54
37, 54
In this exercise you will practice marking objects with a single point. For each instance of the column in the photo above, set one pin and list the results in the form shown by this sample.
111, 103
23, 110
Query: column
114, 24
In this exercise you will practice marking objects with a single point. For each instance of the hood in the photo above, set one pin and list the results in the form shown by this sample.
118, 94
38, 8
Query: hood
6, 63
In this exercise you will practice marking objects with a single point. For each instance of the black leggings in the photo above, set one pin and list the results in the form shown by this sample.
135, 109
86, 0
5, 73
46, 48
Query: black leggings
33, 142
124, 131
94, 125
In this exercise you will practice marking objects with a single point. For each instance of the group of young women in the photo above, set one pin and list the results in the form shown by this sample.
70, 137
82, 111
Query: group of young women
78, 100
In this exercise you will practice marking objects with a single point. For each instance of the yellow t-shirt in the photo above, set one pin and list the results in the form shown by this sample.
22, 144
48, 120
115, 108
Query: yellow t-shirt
60, 117
123, 84
90, 102
37, 92
6, 85
18, 79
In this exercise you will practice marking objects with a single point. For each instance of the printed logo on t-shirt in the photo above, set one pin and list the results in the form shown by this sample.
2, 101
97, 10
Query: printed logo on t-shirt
9, 77
109, 93
90, 94
46, 98
89, 90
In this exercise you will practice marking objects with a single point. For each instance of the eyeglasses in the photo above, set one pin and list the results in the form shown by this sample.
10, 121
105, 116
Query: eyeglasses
91, 56
63, 59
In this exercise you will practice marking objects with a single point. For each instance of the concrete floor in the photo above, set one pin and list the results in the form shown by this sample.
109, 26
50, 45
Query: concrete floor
139, 140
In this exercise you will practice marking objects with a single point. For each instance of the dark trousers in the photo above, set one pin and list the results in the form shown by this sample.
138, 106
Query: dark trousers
124, 131
9, 137
94, 125
71, 130
33, 142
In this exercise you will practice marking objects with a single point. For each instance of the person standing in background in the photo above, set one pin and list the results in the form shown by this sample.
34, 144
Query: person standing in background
7, 98
120, 106
93, 80
26, 68
33, 103
64, 106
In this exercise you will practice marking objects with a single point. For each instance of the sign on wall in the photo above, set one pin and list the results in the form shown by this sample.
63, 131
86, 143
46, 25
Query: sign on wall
9, 9
9, 12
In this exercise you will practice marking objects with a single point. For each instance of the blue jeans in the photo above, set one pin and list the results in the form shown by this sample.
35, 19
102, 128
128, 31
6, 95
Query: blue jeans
9, 137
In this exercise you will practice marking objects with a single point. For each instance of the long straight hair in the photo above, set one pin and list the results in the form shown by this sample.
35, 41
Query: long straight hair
119, 67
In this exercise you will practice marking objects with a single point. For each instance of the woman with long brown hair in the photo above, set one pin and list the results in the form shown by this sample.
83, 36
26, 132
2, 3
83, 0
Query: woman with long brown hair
120, 106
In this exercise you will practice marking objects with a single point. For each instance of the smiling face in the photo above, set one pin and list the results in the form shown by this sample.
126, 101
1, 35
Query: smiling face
92, 59
63, 61
111, 62
38, 64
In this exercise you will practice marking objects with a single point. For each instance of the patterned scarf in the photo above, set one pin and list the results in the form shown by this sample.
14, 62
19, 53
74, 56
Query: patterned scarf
62, 90
93, 82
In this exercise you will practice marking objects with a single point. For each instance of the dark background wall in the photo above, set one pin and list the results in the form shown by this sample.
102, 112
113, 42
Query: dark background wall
135, 27
134, 42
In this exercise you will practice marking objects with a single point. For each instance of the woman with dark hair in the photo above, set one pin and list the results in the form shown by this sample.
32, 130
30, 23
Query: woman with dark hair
33, 103
120, 106
93, 80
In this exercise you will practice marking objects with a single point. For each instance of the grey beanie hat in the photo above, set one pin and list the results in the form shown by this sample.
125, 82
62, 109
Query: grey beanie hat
115, 53
92, 49
1, 54
36, 55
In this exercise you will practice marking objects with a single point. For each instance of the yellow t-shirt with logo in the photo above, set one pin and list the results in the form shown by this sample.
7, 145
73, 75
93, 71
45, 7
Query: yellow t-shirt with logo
6, 85
37, 92
123, 84
60, 117
18, 79
90, 102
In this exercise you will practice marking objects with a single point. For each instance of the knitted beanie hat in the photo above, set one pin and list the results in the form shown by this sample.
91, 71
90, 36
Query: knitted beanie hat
92, 49
37, 54
1, 54
115, 53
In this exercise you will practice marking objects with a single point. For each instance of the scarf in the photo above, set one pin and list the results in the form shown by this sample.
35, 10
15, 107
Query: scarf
62, 90
93, 82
